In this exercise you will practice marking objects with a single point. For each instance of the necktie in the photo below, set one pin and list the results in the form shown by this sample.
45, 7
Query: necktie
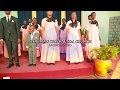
8, 19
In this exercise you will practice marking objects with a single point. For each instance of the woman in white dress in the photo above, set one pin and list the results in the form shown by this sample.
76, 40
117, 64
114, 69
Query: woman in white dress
63, 36
24, 30
37, 30
74, 53
92, 34
49, 54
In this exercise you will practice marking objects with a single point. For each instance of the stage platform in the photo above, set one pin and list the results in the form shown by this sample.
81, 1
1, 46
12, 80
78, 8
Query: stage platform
43, 71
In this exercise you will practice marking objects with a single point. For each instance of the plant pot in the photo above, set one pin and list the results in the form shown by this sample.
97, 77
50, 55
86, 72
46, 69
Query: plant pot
99, 77
101, 67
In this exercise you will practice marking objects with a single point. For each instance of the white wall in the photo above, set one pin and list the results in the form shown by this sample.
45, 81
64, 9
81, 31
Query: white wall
14, 13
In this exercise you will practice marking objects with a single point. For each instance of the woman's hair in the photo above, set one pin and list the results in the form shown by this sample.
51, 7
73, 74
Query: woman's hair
31, 26
64, 19
48, 11
72, 13
92, 13
89, 15
34, 18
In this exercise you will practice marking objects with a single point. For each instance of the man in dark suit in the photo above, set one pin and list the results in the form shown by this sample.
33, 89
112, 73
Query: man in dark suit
10, 33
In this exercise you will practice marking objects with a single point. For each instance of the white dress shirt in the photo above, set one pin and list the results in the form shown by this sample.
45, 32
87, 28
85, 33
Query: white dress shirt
8, 16
32, 34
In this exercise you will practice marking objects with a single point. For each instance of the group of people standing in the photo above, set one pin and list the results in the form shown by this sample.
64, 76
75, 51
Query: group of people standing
49, 30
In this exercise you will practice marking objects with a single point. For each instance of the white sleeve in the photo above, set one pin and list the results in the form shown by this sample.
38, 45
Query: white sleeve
37, 47
79, 27
56, 23
26, 46
87, 27
67, 25
21, 29
1, 39
60, 26
27, 26
43, 23
39, 28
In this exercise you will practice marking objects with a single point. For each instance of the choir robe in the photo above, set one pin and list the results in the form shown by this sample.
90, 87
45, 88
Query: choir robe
24, 37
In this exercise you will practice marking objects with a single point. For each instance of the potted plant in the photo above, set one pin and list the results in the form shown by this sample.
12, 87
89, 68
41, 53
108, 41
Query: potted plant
104, 55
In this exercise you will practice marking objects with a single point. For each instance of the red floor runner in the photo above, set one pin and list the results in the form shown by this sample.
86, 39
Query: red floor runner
44, 71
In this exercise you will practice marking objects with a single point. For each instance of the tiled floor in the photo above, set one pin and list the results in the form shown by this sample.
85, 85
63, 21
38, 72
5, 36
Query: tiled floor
84, 77
116, 73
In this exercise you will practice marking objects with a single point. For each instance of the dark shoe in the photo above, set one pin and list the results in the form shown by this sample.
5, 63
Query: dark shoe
88, 60
76, 63
53, 63
17, 65
68, 63
34, 64
30, 65
10, 65
48, 63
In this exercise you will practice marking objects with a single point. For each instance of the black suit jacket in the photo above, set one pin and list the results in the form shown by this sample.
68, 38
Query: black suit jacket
9, 30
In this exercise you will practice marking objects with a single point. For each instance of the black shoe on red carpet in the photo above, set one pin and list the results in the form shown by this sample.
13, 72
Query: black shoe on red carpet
17, 65
48, 63
68, 63
30, 65
53, 63
10, 65
34, 64
77, 63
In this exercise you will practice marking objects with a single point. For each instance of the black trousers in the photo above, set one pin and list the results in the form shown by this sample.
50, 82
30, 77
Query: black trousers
12, 46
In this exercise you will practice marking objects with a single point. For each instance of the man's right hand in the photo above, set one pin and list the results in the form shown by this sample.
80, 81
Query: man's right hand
26, 48
1, 41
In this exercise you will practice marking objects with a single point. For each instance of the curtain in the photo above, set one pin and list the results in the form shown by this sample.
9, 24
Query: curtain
42, 14
24, 15
68, 15
57, 15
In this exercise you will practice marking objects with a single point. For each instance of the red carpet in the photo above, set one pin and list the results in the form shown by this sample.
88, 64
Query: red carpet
43, 71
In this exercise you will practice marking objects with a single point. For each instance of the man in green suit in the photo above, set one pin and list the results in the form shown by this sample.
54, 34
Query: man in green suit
10, 33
